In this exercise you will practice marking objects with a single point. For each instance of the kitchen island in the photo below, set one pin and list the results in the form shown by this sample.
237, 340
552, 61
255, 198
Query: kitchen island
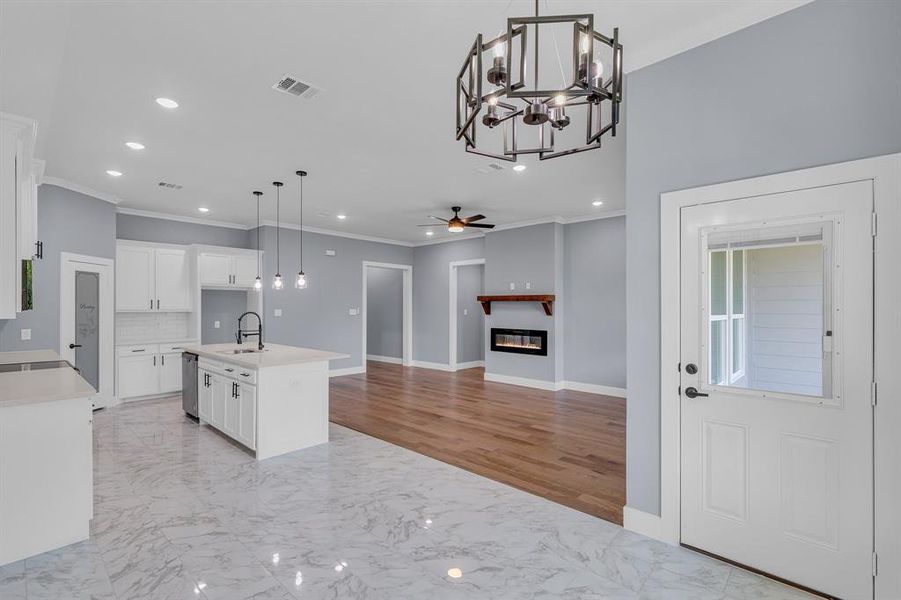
272, 401
46, 474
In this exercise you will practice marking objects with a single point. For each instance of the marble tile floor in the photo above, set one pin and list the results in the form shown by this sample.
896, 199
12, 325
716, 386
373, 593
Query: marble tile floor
183, 513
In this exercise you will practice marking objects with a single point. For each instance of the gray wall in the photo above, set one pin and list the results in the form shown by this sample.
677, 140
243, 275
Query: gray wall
431, 288
318, 316
527, 254
594, 286
471, 325
167, 231
698, 118
385, 312
67, 222
224, 306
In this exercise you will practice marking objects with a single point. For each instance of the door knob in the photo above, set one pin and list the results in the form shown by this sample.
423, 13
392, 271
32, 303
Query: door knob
73, 346
692, 392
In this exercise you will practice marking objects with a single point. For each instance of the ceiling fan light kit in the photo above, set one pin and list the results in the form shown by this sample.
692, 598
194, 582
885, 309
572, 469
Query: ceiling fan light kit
511, 101
456, 224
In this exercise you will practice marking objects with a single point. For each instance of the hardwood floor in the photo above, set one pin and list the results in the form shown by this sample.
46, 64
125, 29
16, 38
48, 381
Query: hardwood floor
569, 447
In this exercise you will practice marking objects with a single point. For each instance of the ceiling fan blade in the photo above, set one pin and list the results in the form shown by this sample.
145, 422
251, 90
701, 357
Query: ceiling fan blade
480, 225
431, 225
473, 218
438, 218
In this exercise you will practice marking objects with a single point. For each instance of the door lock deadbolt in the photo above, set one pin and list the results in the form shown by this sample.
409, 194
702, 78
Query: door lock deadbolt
691, 368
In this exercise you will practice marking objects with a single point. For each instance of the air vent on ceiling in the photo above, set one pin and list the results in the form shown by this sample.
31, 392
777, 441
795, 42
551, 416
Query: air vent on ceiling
490, 168
289, 84
171, 186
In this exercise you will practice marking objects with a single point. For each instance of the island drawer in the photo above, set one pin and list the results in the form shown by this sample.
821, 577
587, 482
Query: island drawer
230, 370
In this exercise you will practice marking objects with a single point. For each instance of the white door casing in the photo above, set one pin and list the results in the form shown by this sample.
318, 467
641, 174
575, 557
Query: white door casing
407, 359
70, 264
452, 308
779, 481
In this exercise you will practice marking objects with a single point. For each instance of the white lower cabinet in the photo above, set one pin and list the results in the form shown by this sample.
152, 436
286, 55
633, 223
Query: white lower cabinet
228, 404
148, 370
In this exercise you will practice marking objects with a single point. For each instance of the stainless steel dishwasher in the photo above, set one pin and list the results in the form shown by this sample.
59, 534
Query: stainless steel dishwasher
189, 383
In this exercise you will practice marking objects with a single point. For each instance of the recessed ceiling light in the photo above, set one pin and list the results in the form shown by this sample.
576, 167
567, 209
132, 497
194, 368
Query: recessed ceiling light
203, 209
135, 145
455, 573
430, 233
114, 173
341, 217
519, 168
597, 203
167, 103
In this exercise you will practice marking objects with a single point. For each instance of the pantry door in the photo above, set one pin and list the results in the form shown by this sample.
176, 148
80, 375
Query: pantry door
776, 383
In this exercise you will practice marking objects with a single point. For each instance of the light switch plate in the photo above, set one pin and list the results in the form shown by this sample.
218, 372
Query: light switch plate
465, 311
277, 312
528, 285
26, 334
512, 286
330, 253
215, 324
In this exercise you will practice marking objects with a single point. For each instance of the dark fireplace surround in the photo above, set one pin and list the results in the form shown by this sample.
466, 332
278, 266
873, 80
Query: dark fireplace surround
519, 341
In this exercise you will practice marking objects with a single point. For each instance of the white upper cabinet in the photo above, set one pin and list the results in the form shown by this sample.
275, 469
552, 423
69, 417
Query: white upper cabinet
173, 290
244, 269
134, 278
215, 269
152, 278
236, 268
18, 223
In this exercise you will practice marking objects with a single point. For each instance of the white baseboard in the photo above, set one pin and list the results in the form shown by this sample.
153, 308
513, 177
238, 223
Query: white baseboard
385, 359
644, 523
346, 371
431, 365
470, 365
540, 384
591, 388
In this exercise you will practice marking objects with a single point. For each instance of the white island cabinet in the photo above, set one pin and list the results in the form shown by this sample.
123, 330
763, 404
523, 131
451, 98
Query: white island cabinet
46, 472
272, 402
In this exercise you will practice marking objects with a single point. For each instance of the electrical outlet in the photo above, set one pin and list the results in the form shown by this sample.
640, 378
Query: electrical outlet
528, 285
352, 312
277, 312
330, 253
216, 324
26, 334
465, 311
512, 286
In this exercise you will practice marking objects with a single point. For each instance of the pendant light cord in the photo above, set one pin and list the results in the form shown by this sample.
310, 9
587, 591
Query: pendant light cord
278, 241
259, 262
301, 224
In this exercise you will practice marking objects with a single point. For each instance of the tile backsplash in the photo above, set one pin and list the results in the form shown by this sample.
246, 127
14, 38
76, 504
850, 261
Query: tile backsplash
138, 328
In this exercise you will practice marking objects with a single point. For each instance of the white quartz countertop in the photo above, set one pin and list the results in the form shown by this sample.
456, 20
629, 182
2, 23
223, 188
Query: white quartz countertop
43, 385
273, 355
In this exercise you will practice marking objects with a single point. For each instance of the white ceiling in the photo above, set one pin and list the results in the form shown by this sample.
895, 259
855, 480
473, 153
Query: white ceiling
378, 142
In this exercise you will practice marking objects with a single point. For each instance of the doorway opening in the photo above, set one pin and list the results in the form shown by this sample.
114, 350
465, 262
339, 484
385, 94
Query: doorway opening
466, 320
86, 321
387, 311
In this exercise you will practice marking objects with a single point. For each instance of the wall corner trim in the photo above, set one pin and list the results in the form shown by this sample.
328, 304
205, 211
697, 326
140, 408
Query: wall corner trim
645, 524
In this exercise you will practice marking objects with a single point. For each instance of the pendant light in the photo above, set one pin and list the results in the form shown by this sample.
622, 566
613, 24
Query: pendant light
258, 282
302, 281
277, 283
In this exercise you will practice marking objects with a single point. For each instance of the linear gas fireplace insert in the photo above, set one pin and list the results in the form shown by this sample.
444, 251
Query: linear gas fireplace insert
519, 341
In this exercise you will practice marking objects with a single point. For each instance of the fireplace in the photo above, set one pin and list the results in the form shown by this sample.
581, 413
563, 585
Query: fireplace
519, 341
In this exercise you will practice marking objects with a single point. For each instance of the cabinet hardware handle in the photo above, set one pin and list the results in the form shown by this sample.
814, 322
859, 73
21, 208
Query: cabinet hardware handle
229, 370
141, 350
151, 304
163, 359
157, 303
245, 374
39, 250
154, 360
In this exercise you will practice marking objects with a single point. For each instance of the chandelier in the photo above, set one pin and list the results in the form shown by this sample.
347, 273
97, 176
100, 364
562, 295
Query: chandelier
501, 90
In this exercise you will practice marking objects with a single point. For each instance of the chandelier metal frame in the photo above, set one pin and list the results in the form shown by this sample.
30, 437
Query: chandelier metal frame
584, 91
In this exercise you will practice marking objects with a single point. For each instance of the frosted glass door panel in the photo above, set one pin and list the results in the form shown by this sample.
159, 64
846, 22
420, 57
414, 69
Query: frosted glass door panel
87, 326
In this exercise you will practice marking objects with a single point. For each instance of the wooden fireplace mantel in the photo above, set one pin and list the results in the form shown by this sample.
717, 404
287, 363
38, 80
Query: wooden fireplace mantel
546, 301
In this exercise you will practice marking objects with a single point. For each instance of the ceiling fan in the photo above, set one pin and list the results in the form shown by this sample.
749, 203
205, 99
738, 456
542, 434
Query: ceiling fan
456, 223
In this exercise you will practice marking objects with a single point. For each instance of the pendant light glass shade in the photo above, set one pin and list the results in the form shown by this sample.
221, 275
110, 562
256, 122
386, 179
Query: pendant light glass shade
258, 282
302, 281
277, 283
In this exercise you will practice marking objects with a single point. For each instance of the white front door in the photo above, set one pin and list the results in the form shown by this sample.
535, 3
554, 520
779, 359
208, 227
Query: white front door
86, 321
777, 339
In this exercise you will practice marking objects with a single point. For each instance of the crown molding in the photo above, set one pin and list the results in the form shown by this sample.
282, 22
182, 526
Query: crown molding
81, 189
343, 234
183, 219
